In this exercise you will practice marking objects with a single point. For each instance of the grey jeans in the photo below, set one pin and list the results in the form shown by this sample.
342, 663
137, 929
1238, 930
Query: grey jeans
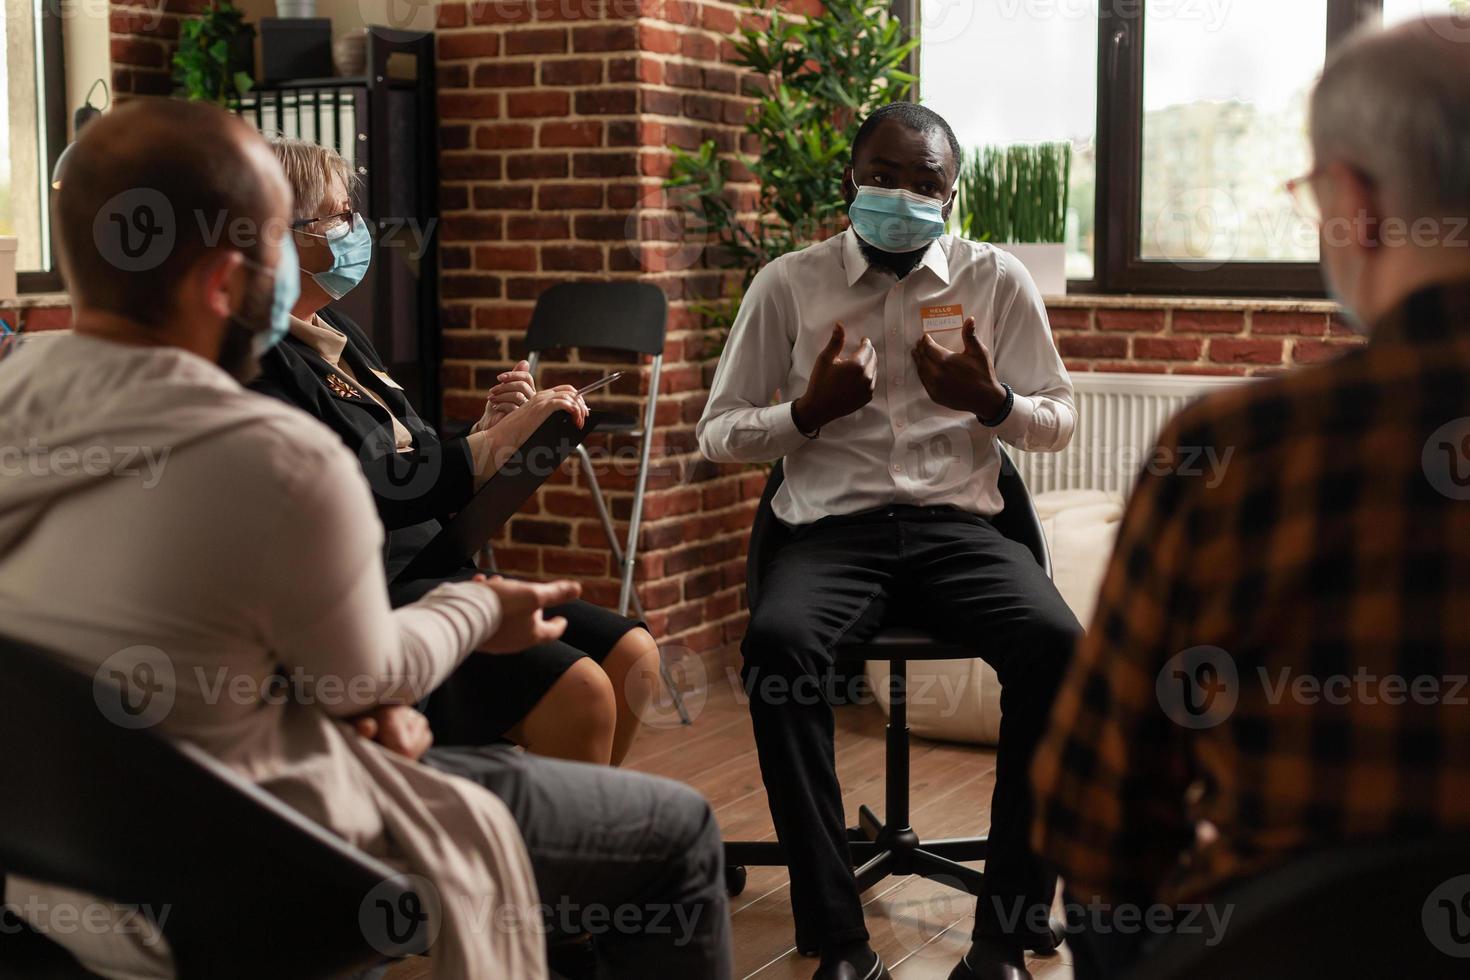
634, 860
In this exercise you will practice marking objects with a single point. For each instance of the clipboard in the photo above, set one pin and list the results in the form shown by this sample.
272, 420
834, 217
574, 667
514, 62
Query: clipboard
503, 494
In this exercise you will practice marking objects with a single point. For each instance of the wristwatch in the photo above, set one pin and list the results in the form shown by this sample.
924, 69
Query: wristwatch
1005, 410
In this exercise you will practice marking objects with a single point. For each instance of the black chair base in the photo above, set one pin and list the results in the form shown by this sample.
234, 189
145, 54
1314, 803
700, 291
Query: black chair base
881, 850
878, 851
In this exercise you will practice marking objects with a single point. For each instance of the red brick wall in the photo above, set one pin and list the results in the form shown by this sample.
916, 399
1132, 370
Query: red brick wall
554, 118
145, 34
36, 318
1238, 340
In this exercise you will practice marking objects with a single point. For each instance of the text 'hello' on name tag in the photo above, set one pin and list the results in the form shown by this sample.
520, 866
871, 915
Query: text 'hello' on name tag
948, 317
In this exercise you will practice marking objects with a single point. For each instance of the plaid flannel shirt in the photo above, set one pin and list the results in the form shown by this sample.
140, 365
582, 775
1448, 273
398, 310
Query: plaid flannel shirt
1279, 656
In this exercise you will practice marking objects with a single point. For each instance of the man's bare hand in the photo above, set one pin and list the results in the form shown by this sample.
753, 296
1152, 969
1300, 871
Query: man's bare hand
839, 385
522, 620
962, 380
398, 728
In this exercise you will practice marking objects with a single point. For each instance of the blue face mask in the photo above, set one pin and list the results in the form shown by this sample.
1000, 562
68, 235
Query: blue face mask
895, 220
285, 291
352, 253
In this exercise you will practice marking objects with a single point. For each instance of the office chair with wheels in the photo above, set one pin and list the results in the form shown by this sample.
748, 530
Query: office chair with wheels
889, 846
252, 888
630, 317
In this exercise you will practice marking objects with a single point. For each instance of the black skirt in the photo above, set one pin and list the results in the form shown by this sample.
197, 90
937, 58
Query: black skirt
489, 693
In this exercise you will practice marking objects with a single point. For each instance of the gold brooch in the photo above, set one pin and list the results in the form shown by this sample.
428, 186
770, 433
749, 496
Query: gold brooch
340, 388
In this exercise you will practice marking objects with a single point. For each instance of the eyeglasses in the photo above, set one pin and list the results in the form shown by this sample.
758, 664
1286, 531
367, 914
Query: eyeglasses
327, 226
1304, 196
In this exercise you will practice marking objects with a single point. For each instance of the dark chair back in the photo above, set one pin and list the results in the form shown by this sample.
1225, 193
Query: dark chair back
252, 888
625, 316
1018, 521
1380, 910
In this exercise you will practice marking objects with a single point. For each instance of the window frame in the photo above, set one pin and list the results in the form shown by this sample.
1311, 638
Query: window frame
1118, 218
53, 86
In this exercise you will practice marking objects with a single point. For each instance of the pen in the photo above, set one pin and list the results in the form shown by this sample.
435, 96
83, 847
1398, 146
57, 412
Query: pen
600, 383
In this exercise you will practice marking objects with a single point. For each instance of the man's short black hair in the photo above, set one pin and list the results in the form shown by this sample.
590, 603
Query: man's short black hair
915, 117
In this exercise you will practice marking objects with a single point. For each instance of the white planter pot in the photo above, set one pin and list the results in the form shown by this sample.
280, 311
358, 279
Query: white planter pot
1047, 264
8, 245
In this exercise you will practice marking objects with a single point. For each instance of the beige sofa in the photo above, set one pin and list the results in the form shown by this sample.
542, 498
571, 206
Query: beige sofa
959, 700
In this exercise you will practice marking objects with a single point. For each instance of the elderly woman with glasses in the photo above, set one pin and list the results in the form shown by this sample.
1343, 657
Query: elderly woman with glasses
579, 698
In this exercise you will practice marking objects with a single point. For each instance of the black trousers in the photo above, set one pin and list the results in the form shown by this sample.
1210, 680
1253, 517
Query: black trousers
840, 579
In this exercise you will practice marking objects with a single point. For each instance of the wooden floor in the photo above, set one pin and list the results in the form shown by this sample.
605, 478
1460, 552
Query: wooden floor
919, 928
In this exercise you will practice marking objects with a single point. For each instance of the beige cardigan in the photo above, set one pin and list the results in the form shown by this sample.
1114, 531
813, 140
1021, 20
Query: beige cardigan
150, 508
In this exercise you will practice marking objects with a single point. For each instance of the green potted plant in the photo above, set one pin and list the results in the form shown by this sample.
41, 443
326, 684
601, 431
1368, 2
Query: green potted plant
215, 60
821, 76
1016, 198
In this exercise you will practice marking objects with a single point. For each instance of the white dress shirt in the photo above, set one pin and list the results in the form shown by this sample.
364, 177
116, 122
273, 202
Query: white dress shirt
901, 447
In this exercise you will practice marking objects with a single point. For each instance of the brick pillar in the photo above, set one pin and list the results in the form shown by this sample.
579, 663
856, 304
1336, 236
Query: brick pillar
554, 122
145, 34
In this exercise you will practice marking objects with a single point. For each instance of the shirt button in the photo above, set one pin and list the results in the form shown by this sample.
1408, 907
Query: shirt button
897, 468
898, 380
899, 424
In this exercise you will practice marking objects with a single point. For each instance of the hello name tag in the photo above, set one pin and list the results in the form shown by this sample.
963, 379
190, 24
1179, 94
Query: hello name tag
941, 318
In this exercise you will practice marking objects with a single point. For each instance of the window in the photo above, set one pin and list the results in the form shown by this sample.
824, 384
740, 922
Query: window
1225, 127
1014, 72
1187, 118
32, 90
1398, 11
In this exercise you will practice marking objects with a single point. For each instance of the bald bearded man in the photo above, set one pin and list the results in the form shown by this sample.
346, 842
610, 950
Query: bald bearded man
254, 556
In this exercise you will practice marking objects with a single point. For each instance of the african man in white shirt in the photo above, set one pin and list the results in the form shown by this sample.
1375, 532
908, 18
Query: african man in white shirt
901, 354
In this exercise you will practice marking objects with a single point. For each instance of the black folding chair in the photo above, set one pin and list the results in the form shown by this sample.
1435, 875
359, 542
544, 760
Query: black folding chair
889, 846
252, 888
629, 317
1375, 910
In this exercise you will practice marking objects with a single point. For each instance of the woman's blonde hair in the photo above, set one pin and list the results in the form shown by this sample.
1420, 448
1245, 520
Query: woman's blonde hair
309, 169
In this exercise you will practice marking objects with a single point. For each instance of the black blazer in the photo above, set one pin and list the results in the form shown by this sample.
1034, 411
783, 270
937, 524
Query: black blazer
413, 490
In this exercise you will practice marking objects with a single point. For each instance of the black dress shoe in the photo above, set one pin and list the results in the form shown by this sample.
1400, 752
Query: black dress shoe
1048, 941
846, 971
990, 961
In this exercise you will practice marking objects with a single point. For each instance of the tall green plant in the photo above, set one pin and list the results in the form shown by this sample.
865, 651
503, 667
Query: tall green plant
822, 76
1015, 193
215, 55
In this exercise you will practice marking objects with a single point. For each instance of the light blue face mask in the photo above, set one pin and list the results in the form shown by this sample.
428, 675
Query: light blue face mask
895, 220
352, 253
285, 291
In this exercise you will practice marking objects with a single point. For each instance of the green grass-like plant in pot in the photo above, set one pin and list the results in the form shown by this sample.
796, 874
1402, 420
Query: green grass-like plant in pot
1016, 198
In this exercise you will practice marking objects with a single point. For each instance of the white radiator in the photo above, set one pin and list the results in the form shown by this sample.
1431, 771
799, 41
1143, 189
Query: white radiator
1118, 418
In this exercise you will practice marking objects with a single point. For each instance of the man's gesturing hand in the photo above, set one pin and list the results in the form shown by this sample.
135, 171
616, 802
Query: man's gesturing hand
522, 623
839, 385
962, 380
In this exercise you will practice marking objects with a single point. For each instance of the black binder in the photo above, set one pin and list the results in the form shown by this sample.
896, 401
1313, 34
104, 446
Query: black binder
502, 495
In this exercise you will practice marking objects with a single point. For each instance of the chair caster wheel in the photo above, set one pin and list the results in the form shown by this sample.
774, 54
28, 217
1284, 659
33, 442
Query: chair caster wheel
734, 879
